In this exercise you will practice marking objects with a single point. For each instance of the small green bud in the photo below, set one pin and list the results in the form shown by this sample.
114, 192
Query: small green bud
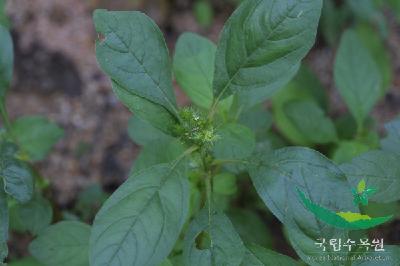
195, 128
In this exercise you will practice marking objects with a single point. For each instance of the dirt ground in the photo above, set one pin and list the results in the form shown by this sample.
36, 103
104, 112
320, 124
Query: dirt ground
56, 75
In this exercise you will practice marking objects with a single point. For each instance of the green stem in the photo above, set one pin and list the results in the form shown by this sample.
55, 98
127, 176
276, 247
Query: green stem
4, 116
219, 162
213, 109
209, 199
183, 155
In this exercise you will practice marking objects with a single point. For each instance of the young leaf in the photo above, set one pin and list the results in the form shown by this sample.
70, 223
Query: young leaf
133, 53
33, 216
257, 119
380, 170
261, 42
234, 142
194, 67
347, 150
6, 61
18, 180
376, 46
36, 135
143, 216
223, 245
224, 184
171, 149
62, 244
251, 227
259, 256
357, 76
311, 121
142, 132
305, 86
392, 141
277, 175
3, 223
155, 114
249, 98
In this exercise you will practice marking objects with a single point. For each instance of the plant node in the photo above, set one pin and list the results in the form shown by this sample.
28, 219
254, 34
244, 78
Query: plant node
195, 129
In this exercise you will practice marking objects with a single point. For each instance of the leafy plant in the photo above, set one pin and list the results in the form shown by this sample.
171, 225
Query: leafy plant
22, 141
177, 206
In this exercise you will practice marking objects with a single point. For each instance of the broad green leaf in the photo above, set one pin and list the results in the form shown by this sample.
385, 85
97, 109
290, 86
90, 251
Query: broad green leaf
392, 140
249, 98
259, 256
18, 179
224, 184
357, 76
140, 222
134, 54
380, 169
258, 119
142, 132
194, 67
140, 74
374, 43
62, 244
6, 61
148, 157
311, 121
3, 223
277, 176
33, 216
155, 114
390, 257
250, 227
234, 142
212, 241
305, 86
27, 261
36, 135
261, 42
347, 150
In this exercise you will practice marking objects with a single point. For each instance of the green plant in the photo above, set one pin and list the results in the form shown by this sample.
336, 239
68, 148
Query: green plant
178, 205
22, 141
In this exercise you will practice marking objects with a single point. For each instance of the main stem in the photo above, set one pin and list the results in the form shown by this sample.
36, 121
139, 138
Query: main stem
209, 200
4, 115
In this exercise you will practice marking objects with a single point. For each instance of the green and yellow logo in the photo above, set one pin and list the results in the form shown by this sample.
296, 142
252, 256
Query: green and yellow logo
347, 220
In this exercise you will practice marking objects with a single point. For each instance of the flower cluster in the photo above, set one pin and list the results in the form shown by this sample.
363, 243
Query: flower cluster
195, 129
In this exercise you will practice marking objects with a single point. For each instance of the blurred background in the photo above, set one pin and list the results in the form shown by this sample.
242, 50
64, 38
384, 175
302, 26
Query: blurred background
56, 75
